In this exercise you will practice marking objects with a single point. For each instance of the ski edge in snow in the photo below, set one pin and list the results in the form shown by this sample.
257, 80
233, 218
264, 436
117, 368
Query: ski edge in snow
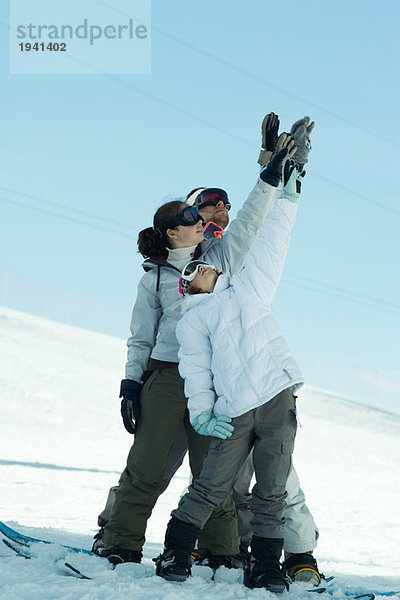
26, 540
20, 551
76, 573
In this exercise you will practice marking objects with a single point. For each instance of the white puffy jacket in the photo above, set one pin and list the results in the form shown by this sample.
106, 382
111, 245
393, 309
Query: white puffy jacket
158, 306
230, 343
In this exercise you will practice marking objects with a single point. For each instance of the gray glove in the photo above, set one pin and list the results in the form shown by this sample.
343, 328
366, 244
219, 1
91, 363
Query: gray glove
286, 140
300, 132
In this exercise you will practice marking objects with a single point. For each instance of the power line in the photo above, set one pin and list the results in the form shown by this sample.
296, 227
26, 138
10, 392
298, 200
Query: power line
304, 282
219, 129
254, 77
64, 207
238, 138
267, 83
228, 133
339, 291
65, 218
246, 73
352, 192
350, 299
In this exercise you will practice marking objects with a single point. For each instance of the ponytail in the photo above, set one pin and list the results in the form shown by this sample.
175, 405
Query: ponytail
153, 241
150, 243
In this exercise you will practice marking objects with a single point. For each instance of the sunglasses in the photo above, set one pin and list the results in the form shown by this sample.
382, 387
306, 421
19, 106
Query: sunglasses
188, 216
211, 196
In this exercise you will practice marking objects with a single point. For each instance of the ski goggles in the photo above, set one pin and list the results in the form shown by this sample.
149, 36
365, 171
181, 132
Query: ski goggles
188, 216
189, 273
211, 196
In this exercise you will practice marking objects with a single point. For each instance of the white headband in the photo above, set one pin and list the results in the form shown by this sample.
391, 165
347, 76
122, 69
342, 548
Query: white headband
192, 198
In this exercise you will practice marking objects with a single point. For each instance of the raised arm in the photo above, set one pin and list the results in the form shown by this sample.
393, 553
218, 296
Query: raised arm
230, 253
264, 265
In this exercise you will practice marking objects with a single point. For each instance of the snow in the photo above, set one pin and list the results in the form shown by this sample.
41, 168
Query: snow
62, 445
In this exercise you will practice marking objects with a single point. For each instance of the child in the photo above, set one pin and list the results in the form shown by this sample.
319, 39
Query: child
240, 380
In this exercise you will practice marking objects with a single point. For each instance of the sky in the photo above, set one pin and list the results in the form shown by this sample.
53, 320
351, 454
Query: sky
87, 159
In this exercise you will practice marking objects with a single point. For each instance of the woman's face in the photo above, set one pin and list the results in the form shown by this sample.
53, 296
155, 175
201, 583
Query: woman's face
184, 236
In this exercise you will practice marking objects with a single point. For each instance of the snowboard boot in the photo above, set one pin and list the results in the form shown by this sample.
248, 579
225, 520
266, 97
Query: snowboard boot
302, 567
265, 569
116, 555
244, 554
175, 563
98, 544
214, 561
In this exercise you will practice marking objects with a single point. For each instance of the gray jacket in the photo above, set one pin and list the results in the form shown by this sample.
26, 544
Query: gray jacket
158, 306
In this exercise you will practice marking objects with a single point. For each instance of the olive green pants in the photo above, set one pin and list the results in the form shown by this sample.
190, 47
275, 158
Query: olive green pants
164, 408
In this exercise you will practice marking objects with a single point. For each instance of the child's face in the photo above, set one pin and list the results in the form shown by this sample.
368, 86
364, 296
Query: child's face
205, 279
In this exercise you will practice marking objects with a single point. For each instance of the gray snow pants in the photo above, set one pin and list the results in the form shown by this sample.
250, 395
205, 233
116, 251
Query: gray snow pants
269, 430
300, 532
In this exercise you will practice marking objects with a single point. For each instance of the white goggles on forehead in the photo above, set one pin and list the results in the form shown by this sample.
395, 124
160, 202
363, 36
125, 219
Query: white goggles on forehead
190, 271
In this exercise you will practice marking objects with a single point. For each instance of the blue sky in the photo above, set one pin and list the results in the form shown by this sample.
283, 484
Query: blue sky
117, 146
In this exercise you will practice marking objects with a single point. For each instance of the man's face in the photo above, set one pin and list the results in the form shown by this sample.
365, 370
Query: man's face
216, 213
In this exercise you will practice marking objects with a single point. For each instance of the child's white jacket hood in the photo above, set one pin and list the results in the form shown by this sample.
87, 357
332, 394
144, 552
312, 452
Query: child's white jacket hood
232, 354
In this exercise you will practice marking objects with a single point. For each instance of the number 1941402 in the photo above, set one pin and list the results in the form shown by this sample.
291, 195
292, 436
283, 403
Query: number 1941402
42, 47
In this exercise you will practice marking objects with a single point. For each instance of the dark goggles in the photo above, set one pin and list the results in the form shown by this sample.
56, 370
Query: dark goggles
211, 196
188, 216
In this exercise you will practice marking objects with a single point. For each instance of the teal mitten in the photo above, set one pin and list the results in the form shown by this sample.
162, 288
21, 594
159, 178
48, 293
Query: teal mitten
219, 427
293, 175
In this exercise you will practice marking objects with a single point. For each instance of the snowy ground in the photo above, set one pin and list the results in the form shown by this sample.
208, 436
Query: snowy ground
62, 446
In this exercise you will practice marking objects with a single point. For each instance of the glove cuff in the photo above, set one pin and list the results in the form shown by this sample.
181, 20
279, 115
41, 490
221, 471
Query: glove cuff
264, 157
129, 386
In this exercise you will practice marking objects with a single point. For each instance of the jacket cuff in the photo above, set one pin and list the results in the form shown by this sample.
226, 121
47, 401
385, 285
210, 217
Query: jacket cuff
129, 386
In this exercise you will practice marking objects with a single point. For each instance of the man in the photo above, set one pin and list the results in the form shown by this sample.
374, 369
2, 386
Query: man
301, 532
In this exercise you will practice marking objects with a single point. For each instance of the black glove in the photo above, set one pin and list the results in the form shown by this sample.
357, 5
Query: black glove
130, 403
269, 136
285, 147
